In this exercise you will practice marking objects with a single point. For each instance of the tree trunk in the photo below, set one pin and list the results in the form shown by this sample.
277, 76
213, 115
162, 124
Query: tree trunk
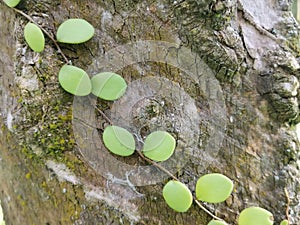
222, 76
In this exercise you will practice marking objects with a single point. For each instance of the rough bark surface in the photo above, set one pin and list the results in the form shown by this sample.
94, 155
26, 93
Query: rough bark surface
252, 48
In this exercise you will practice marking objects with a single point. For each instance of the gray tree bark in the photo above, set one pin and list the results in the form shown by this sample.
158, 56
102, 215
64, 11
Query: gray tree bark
235, 114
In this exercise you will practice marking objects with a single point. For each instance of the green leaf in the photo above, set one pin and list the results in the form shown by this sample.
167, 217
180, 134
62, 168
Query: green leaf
118, 140
108, 86
213, 188
12, 3
255, 216
34, 37
217, 222
159, 146
74, 80
177, 196
284, 222
75, 31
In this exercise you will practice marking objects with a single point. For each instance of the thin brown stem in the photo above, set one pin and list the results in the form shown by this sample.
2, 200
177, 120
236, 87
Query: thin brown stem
206, 210
156, 165
100, 111
109, 121
175, 178
45, 31
93, 102
288, 202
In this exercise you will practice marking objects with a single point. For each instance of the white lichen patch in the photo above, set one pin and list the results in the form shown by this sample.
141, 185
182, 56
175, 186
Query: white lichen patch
9, 121
116, 195
298, 131
62, 172
28, 81
113, 199
2, 222
7, 106
263, 12
106, 20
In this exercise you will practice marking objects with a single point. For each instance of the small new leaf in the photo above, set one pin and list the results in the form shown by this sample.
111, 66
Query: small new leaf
213, 188
177, 196
34, 37
75, 31
217, 222
118, 140
159, 146
12, 3
74, 80
255, 216
284, 222
108, 86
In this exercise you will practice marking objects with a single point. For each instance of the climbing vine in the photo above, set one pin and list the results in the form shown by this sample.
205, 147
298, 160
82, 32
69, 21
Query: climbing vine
158, 146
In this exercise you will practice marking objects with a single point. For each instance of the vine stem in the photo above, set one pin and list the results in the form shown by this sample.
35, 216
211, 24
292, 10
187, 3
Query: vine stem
158, 166
110, 122
45, 31
287, 205
206, 210
175, 178
93, 102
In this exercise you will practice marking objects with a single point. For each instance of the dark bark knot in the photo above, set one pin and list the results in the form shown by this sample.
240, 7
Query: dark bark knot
281, 90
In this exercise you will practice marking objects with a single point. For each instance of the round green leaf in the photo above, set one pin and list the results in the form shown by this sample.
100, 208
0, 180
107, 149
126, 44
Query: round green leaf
118, 140
75, 31
34, 37
217, 222
284, 222
159, 146
74, 80
213, 188
255, 216
108, 86
177, 196
12, 3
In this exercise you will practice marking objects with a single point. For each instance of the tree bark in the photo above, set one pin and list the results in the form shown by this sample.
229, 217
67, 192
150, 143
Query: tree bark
236, 113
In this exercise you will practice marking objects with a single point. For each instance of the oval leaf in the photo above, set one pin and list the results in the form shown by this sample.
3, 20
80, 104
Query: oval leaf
118, 140
75, 31
255, 216
108, 86
12, 3
74, 80
34, 37
217, 222
177, 196
213, 188
159, 146
284, 222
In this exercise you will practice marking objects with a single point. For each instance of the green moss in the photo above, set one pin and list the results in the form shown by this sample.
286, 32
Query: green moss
22, 202
60, 196
48, 125
28, 175
27, 152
